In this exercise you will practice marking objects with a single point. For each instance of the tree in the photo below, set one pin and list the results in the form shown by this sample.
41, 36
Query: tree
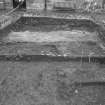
45, 6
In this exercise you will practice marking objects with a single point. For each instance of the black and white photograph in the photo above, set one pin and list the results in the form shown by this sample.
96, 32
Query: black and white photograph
52, 52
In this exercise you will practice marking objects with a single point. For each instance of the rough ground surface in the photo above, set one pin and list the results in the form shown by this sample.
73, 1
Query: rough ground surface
52, 83
54, 36
47, 83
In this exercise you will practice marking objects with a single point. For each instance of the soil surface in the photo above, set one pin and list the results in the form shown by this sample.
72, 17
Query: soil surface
63, 37
52, 82
47, 83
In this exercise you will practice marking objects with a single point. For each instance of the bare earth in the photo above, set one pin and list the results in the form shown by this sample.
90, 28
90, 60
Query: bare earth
52, 82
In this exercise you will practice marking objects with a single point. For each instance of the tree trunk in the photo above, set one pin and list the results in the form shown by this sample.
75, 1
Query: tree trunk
45, 7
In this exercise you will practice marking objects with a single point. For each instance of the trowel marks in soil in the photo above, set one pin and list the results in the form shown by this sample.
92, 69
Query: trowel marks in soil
53, 36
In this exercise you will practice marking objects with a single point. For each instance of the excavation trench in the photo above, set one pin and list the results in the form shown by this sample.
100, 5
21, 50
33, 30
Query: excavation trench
53, 39
46, 61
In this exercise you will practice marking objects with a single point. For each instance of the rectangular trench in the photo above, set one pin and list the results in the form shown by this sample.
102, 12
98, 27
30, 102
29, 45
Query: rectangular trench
45, 73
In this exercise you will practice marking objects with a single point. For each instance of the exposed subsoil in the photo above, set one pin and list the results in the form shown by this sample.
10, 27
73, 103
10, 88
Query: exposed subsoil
53, 36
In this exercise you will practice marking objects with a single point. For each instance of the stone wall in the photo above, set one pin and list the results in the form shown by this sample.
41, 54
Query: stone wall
35, 4
39, 4
5, 4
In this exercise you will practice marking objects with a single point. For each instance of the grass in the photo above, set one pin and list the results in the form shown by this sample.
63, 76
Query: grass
50, 83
